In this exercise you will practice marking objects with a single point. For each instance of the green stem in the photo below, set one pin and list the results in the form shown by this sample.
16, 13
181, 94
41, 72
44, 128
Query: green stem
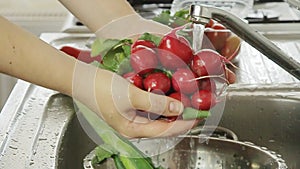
130, 156
191, 113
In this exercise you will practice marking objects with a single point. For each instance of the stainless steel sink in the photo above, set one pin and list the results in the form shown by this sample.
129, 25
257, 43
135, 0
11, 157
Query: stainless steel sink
266, 116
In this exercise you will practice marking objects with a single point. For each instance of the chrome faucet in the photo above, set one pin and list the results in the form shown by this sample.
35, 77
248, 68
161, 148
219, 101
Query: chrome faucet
201, 14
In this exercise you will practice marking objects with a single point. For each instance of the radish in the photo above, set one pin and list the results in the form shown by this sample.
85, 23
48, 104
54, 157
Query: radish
210, 23
231, 47
203, 100
181, 97
145, 43
79, 54
208, 62
135, 79
207, 84
230, 76
183, 81
157, 82
217, 35
174, 53
143, 59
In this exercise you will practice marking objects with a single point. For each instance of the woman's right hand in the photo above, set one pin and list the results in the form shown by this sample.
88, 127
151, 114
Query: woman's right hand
117, 101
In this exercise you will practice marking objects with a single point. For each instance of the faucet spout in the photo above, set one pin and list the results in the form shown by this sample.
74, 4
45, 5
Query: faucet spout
201, 14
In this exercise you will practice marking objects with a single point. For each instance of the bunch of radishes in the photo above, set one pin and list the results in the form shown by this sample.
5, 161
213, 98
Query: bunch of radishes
169, 66
172, 68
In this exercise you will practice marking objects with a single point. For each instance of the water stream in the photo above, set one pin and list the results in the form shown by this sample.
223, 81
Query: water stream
198, 33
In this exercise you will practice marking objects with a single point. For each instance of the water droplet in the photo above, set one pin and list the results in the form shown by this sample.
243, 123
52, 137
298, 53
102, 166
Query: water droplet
41, 139
243, 148
264, 148
13, 147
255, 166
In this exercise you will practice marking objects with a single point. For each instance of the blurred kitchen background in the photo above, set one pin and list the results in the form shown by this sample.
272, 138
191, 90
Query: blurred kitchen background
42, 16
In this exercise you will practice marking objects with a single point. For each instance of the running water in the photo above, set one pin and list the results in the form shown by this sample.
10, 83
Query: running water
198, 33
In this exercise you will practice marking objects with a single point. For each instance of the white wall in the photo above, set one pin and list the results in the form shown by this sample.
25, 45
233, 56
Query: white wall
37, 16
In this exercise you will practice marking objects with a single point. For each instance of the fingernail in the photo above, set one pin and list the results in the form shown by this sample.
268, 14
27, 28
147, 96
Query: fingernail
174, 107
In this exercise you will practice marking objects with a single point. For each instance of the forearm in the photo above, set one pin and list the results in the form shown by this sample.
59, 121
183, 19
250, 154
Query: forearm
97, 13
26, 57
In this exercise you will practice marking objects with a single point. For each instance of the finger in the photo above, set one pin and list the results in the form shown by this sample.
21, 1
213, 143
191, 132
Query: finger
154, 103
157, 128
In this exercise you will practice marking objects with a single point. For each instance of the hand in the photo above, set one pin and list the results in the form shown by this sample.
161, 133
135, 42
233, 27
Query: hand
117, 101
131, 26
112, 18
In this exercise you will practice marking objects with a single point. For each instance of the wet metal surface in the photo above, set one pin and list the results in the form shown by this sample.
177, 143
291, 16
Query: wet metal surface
32, 125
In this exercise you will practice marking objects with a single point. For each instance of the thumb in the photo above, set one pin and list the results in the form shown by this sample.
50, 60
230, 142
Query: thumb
154, 103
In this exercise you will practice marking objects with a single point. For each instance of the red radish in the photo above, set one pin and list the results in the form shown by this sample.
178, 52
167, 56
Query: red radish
143, 60
175, 33
208, 62
210, 23
174, 53
170, 118
181, 97
135, 79
230, 76
82, 55
183, 80
231, 47
145, 43
203, 100
207, 84
217, 37
157, 82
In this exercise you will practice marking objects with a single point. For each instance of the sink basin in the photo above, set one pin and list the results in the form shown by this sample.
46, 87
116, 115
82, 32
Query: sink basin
266, 116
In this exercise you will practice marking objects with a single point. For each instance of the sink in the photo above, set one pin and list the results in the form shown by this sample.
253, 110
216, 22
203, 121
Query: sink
266, 116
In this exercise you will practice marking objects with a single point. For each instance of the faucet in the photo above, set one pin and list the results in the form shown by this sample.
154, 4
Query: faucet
201, 14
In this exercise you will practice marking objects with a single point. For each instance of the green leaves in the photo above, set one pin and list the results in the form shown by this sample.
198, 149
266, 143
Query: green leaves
101, 46
124, 153
178, 19
103, 152
115, 54
151, 37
